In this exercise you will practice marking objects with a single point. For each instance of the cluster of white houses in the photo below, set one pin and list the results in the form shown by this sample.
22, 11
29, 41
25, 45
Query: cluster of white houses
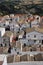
18, 35
25, 27
14, 22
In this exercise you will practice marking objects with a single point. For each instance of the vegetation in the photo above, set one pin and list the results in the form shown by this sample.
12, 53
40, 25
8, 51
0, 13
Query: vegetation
8, 7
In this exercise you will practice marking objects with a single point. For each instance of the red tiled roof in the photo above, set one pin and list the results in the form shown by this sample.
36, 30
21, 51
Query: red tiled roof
31, 19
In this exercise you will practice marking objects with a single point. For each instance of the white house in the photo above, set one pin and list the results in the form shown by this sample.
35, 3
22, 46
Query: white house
16, 18
34, 23
5, 21
33, 36
2, 32
11, 15
7, 38
25, 25
14, 27
34, 20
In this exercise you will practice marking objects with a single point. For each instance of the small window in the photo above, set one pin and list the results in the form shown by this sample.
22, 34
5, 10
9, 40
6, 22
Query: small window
28, 40
24, 45
4, 40
34, 41
3, 24
5, 44
28, 36
17, 52
34, 35
1, 45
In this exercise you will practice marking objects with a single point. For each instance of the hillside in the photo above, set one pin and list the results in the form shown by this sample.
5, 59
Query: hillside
8, 7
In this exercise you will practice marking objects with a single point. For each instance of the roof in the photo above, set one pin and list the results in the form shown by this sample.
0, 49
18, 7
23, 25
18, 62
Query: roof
21, 14
21, 22
20, 33
8, 33
29, 30
6, 16
31, 19
40, 30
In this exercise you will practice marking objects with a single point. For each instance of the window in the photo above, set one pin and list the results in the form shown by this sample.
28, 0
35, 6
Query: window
42, 41
17, 52
3, 24
28, 35
24, 36
34, 35
1, 45
4, 40
28, 40
34, 41
5, 44
24, 45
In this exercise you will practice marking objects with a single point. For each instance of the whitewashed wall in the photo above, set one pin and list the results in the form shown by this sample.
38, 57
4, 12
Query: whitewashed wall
39, 36
30, 39
2, 31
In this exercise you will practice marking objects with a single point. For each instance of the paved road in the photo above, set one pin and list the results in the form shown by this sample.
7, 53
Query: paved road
28, 63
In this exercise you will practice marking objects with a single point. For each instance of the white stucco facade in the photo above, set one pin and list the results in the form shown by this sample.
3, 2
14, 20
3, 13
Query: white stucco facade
32, 38
2, 31
34, 35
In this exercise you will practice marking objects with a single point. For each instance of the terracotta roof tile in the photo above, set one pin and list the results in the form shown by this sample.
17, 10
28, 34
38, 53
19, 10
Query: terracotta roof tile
40, 30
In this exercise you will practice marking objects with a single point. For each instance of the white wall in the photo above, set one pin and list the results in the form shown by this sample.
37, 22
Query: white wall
14, 27
34, 23
2, 30
30, 39
23, 41
39, 36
